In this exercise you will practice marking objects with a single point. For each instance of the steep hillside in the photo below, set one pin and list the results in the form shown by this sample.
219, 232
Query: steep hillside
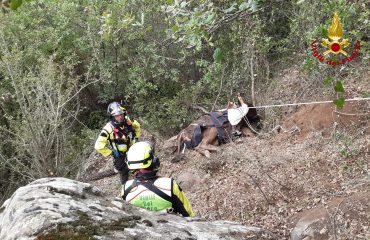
305, 175
265, 180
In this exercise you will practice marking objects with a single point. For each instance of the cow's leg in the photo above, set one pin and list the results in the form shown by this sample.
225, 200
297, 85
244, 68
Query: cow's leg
247, 132
209, 136
204, 152
180, 144
240, 99
207, 147
209, 140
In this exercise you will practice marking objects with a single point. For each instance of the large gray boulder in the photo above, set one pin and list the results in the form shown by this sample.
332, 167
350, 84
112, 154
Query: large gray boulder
60, 208
346, 217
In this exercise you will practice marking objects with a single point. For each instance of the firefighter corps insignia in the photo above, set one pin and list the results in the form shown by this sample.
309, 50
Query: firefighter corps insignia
334, 45
335, 33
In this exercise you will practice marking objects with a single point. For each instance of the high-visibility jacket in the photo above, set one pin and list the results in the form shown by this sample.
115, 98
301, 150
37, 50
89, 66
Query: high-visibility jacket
140, 196
120, 138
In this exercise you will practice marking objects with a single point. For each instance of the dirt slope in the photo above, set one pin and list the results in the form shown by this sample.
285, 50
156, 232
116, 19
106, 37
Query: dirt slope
317, 155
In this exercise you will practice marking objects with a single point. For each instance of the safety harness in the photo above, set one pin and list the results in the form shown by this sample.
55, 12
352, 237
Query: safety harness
120, 135
149, 184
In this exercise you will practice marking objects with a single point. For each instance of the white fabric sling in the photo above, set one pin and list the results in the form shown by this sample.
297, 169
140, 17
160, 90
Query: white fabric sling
235, 115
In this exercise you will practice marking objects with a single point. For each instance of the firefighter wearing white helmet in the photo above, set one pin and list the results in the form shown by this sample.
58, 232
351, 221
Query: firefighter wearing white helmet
149, 191
116, 137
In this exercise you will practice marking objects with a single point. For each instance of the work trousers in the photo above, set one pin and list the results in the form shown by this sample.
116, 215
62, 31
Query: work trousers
121, 166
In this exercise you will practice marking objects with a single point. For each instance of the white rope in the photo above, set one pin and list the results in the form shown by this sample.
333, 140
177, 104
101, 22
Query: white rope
295, 104
308, 103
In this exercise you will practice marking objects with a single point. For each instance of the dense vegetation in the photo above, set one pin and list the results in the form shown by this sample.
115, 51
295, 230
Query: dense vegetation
62, 62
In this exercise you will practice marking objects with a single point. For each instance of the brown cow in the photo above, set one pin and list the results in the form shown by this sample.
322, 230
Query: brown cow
213, 129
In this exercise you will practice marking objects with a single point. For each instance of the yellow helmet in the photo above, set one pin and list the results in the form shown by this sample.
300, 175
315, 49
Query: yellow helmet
141, 156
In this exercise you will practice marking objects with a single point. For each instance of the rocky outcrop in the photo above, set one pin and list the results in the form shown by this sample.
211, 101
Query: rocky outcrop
95, 167
340, 218
60, 208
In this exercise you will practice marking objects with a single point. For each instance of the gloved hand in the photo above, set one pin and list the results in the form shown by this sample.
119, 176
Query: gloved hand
115, 153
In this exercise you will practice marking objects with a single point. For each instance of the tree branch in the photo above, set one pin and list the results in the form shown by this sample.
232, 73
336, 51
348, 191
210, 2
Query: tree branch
196, 107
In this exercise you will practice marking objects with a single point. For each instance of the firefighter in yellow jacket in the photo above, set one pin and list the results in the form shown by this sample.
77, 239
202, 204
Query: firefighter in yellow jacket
116, 137
149, 191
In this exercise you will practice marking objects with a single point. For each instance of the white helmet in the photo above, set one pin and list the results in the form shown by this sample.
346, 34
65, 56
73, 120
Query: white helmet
141, 156
115, 109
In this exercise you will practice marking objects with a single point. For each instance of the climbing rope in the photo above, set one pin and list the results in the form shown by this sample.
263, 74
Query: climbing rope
310, 103
296, 104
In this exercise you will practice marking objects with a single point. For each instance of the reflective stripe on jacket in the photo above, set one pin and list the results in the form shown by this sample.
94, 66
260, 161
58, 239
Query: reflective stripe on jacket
107, 133
142, 197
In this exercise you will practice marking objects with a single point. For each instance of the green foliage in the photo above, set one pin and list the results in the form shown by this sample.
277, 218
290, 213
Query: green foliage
42, 69
250, 5
191, 23
14, 4
339, 102
353, 18
344, 152
217, 55
328, 81
339, 87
